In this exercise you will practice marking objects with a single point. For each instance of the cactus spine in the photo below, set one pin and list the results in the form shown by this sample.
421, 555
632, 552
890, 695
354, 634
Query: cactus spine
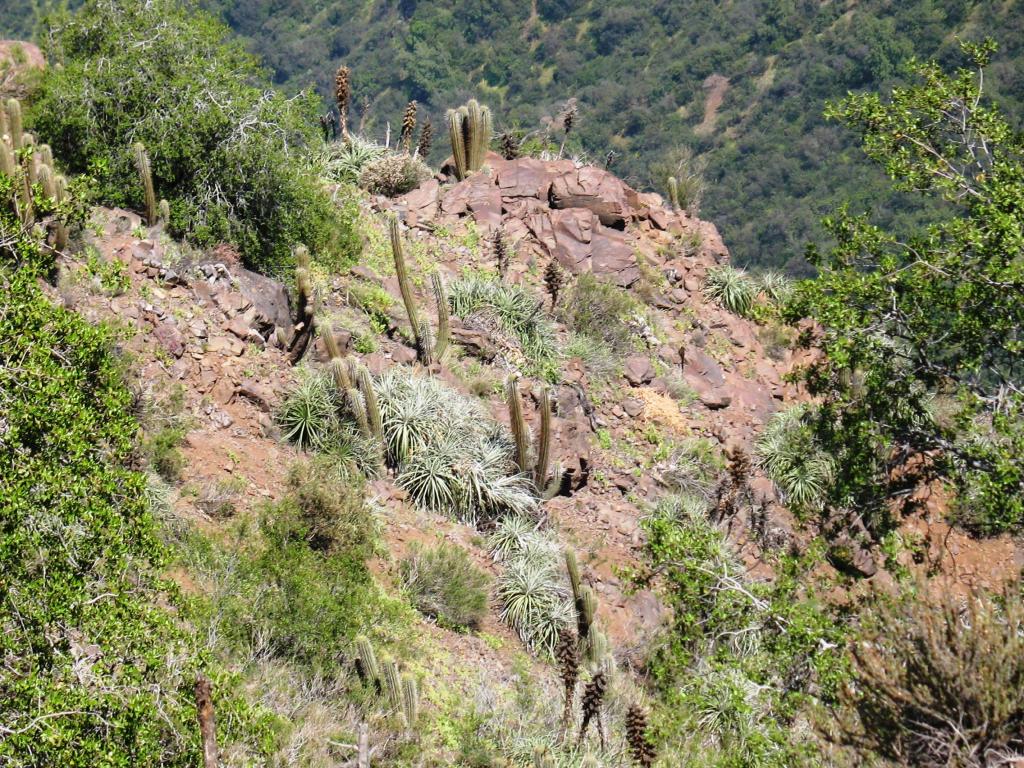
593, 698
13, 110
145, 171
567, 656
343, 96
469, 128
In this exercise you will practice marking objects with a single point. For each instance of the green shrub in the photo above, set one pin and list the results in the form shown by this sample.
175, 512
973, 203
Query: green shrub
443, 583
535, 599
731, 288
344, 161
226, 153
790, 455
331, 509
393, 174
602, 311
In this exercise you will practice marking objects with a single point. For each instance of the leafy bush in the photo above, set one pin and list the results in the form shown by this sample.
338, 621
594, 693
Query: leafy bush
938, 681
443, 583
602, 311
731, 288
226, 153
393, 174
331, 509
741, 656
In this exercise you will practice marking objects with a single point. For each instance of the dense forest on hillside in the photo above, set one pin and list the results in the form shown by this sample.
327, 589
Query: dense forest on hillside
647, 79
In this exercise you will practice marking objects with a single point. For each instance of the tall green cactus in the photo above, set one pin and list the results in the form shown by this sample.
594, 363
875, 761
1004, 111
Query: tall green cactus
61, 232
469, 128
145, 171
673, 192
164, 212
8, 161
305, 305
393, 684
519, 431
14, 129
540, 470
410, 701
426, 350
366, 660
358, 409
443, 317
398, 252
372, 406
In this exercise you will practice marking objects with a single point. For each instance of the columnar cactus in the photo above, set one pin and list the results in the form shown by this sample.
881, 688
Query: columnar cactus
469, 129
13, 110
305, 306
539, 469
443, 317
145, 172
372, 406
403, 283
673, 192
366, 662
427, 349
393, 684
410, 701
164, 213
501, 252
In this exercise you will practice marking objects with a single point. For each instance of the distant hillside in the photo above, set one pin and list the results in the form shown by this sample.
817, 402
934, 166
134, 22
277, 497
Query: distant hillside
639, 72
742, 83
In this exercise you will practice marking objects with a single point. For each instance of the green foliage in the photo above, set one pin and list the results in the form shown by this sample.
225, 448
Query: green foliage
789, 454
308, 416
601, 311
443, 583
331, 509
731, 288
912, 323
743, 658
515, 311
534, 597
344, 161
224, 151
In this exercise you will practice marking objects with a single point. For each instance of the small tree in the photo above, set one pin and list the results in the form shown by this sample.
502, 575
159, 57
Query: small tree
922, 364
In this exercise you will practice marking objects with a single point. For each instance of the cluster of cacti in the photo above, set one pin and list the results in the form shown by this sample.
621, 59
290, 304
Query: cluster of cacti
27, 164
385, 679
640, 747
538, 468
427, 350
469, 128
305, 309
673, 192
426, 140
509, 145
554, 280
408, 127
502, 252
343, 95
355, 389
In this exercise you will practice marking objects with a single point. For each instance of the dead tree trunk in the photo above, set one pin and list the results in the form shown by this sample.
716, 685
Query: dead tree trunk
204, 710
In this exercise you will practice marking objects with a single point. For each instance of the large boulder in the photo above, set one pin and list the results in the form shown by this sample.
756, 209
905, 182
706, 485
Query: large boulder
595, 189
